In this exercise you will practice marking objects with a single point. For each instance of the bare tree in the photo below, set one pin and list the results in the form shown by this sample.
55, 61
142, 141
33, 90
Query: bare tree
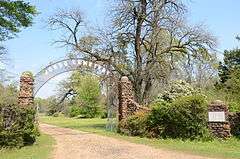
147, 39
3, 61
200, 73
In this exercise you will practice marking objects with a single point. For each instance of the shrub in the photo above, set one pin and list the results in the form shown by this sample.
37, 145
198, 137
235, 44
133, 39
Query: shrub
90, 111
234, 106
74, 111
17, 126
185, 118
158, 119
134, 125
86, 111
103, 114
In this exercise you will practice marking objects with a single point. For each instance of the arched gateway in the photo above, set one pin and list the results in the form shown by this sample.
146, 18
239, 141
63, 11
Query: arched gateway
65, 65
30, 85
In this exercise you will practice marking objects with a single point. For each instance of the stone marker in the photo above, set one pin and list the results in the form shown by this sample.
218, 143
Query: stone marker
218, 122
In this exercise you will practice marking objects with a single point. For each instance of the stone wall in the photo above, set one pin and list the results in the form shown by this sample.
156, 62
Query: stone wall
25, 97
219, 129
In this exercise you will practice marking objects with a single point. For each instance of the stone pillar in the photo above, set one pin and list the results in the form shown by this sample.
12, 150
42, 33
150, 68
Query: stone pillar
218, 121
234, 119
125, 95
25, 97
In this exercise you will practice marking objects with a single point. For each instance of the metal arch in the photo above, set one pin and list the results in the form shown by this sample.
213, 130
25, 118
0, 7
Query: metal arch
62, 66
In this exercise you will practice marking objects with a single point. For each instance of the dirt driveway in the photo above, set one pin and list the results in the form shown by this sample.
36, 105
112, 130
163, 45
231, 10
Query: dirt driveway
72, 144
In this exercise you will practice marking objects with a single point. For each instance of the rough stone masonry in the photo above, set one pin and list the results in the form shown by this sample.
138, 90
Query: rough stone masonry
127, 105
219, 129
26, 97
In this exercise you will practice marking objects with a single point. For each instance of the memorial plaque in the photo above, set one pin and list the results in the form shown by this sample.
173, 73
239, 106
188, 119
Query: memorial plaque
216, 117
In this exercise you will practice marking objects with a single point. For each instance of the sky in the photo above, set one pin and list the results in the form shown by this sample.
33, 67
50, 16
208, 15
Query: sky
33, 49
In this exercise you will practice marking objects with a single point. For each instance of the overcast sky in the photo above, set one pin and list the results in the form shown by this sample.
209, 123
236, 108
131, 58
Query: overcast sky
32, 49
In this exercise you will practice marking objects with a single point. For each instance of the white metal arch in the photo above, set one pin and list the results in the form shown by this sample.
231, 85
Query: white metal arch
65, 65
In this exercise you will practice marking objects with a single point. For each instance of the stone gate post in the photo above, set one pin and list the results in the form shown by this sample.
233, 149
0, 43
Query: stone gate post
25, 97
125, 94
218, 120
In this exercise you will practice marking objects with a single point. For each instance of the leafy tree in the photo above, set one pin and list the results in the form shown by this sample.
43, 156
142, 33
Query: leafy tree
229, 74
231, 64
14, 15
88, 93
87, 99
233, 83
87, 88
9, 97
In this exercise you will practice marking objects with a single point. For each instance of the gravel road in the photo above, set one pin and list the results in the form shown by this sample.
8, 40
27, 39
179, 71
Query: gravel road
72, 144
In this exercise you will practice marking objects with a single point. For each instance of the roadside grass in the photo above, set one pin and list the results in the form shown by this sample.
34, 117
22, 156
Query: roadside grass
216, 148
40, 150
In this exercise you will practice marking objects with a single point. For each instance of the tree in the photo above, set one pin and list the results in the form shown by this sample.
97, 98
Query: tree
42, 104
229, 82
229, 71
14, 15
231, 64
9, 97
145, 43
233, 83
87, 100
199, 72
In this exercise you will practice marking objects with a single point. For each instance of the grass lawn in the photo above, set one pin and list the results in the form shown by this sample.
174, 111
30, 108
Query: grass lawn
219, 149
40, 150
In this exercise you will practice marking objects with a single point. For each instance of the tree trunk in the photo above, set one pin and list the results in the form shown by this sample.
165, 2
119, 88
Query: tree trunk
138, 77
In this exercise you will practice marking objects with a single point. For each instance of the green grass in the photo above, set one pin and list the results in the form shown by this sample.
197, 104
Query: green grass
219, 149
40, 150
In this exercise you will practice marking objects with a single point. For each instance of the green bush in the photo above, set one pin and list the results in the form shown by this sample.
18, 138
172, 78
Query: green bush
17, 126
158, 119
90, 111
234, 106
84, 111
185, 118
103, 114
134, 125
74, 111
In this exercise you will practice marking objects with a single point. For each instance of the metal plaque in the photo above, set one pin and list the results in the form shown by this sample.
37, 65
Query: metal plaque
216, 116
